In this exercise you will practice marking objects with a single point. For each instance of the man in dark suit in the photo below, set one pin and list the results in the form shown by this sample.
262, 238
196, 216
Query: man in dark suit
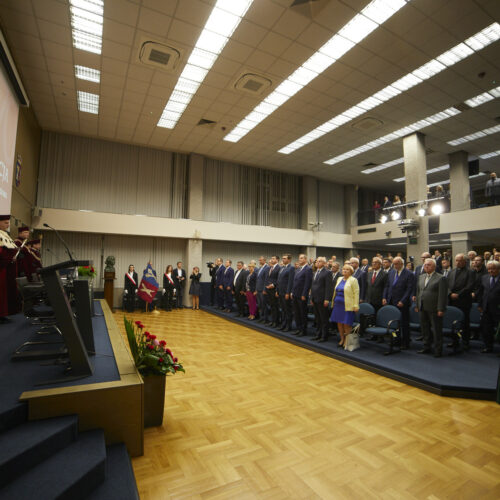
270, 286
261, 298
336, 275
219, 283
285, 281
364, 265
239, 286
179, 276
460, 285
300, 292
489, 304
479, 271
213, 282
439, 261
321, 294
360, 276
375, 284
446, 267
228, 286
397, 292
432, 296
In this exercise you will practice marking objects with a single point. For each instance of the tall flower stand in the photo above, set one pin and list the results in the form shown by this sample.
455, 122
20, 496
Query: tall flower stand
154, 399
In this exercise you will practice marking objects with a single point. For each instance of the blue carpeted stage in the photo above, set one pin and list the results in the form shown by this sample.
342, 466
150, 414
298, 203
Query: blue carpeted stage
20, 376
468, 375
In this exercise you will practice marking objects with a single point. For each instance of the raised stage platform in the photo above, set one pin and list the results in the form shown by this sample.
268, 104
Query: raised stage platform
468, 375
109, 399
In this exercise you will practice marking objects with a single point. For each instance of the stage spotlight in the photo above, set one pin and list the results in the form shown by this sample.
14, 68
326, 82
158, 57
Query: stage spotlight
395, 215
421, 212
437, 208
383, 219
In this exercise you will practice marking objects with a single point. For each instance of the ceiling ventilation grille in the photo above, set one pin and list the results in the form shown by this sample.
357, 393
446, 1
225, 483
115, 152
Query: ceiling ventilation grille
309, 8
367, 123
252, 83
159, 55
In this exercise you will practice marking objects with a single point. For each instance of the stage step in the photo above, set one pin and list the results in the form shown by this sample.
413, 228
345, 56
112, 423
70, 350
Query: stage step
30, 443
13, 415
120, 480
72, 473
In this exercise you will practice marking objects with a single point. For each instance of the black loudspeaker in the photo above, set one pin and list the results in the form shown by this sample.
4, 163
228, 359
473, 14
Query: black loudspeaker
473, 167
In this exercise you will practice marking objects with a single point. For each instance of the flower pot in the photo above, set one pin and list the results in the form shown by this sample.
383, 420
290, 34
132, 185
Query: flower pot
154, 399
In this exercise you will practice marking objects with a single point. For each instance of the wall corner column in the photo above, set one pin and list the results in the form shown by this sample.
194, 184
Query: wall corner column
195, 187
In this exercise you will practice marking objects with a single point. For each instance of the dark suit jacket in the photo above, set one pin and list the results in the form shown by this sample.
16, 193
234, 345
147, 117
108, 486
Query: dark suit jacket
467, 280
439, 264
434, 296
219, 275
478, 278
361, 277
335, 278
129, 285
241, 281
228, 277
302, 281
489, 298
402, 289
213, 274
261, 277
251, 281
375, 292
175, 277
284, 279
322, 286
272, 278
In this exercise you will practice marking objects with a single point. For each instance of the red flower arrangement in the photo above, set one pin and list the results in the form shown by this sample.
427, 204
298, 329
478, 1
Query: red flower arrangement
87, 271
151, 356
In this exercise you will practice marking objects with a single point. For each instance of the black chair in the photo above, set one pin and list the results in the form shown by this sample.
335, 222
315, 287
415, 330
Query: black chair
414, 319
475, 317
364, 317
387, 322
453, 322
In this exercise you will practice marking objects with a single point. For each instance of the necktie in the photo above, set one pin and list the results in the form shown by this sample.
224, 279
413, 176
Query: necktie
396, 276
374, 275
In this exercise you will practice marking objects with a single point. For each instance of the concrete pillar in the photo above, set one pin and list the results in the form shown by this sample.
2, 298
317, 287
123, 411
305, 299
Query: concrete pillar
459, 181
460, 243
194, 256
350, 206
309, 202
416, 188
310, 252
195, 188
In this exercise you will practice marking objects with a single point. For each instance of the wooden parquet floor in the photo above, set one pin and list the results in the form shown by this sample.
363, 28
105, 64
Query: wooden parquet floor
256, 417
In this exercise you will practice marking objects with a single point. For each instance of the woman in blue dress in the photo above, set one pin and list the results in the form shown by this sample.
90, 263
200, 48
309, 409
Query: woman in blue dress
345, 303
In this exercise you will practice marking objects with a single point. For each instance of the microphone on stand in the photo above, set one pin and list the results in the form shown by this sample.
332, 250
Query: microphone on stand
61, 239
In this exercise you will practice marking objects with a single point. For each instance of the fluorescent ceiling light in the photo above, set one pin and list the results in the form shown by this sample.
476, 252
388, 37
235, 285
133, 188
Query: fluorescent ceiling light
431, 68
430, 171
88, 74
87, 102
480, 99
223, 20
360, 26
474, 136
86, 24
383, 166
490, 155
447, 181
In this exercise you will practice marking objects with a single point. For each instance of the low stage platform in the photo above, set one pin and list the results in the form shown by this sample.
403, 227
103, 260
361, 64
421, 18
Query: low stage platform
109, 399
467, 375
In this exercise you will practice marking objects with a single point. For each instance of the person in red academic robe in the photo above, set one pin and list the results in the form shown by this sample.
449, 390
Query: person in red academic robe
8, 271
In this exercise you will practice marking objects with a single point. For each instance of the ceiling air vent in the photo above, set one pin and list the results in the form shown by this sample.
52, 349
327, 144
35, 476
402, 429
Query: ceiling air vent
159, 55
309, 8
204, 121
367, 123
252, 83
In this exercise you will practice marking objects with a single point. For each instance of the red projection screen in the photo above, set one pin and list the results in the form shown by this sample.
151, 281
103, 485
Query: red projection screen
9, 112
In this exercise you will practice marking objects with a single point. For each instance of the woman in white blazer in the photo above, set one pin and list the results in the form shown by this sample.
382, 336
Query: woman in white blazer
345, 303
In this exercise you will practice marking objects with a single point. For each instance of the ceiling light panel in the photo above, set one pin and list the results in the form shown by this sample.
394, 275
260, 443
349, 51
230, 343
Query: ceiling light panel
88, 74
358, 28
431, 68
86, 23
87, 102
490, 155
429, 172
447, 181
476, 135
223, 20
383, 166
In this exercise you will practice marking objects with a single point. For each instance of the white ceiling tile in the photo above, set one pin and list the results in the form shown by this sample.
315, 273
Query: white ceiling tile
118, 32
260, 60
249, 33
193, 12
28, 43
15, 20
131, 96
88, 59
54, 32
121, 11
274, 44
291, 24
161, 6
113, 66
182, 32
52, 10
154, 22
57, 51
116, 50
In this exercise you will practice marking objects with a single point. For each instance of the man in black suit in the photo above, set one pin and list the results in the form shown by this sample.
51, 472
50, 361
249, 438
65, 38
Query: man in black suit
213, 282
285, 282
270, 286
446, 267
360, 276
261, 298
321, 294
489, 304
179, 276
239, 285
432, 296
460, 285
364, 265
479, 271
375, 284
130, 289
439, 261
300, 292
398, 290
336, 275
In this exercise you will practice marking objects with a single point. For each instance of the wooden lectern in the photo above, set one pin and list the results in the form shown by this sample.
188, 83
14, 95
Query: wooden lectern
109, 286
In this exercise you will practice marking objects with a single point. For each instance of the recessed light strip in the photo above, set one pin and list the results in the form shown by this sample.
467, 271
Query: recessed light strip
383, 166
86, 23
433, 67
223, 20
88, 74
87, 102
476, 135
414, 127
447, 181
430, 171
490, 155
358, 28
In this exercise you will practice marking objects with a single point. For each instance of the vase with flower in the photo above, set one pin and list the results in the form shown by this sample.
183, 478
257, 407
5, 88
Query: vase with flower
154, 361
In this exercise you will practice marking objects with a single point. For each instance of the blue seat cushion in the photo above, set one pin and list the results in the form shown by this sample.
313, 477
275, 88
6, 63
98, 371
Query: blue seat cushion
376, 330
